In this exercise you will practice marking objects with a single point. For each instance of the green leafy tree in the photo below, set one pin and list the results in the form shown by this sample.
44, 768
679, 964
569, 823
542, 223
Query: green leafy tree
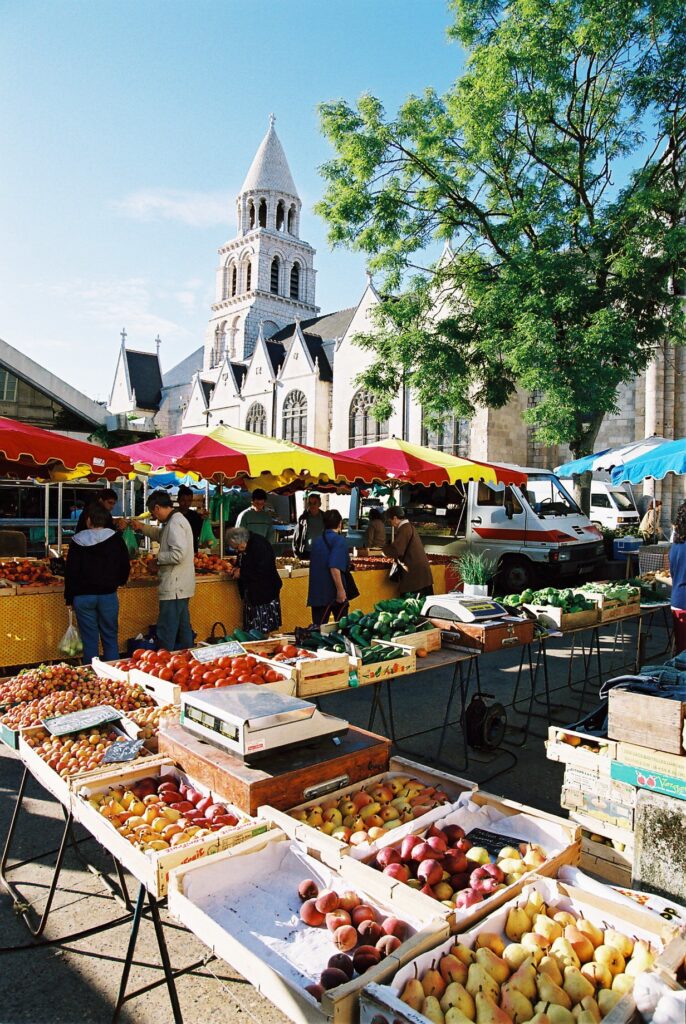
554, 171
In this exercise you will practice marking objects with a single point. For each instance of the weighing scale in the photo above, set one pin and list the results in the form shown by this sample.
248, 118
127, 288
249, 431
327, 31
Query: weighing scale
250, 721
462, 608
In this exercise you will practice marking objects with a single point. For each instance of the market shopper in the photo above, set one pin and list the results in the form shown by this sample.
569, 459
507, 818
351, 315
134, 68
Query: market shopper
257, 518
176, 570
105, 499
376, 531
184, 500
259, 583
649, 527
677, 568
310, 526
329, 567
413, 573
97, 564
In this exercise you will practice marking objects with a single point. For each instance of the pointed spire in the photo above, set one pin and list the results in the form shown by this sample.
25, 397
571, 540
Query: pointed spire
158, 342
269, 171
123, 337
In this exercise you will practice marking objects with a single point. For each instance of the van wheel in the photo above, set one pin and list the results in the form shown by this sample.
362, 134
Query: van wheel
515, 575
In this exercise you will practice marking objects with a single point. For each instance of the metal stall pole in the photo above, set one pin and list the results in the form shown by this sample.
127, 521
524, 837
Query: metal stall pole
146, 543
46, 520
59, 519
221, 515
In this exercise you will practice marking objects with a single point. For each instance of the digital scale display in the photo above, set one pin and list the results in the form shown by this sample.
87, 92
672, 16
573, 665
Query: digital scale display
218, 725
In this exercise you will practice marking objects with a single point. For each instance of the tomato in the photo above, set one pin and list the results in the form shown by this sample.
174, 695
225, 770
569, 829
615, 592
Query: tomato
271, 676
239, 665
178, 661
250, 662
166, 674
221, 681
139, 653
290, 651
162, 652
206, 686
245, 677
224, 662
181, 677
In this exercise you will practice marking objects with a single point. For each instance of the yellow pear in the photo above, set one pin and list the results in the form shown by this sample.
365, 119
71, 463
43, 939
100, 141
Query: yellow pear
518, 1008
495, 965
524, 980
587, 1005
488, 1011
508, 852
413, 993
564, 918
543, 925
453, 1015
540, 1018
517, 924
580, 943
479, 980
586, 1017
588, 928
557, 1014
533, 941
607, 999
549, 992
599, 975
463, 953
431, 1009
456, 995
515, 954
432, 982
550, 966
642, 959
535, 905
492, 941
564, 953
576, 986
622, 983
610, 957
452, 969
619, 940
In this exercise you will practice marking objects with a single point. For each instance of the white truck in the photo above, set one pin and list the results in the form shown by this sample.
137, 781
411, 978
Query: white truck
611, 507
534, 530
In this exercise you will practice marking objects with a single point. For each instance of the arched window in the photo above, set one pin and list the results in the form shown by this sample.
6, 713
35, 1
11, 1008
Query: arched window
295, 418
219, 344
226, 282
256, 420
364, 428
280, 215
274, 276
251, 214
234, 280
291, 220
248, 276
295, 281
262, 213
452, 436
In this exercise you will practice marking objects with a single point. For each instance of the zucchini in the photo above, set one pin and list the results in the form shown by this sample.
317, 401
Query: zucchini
241, 636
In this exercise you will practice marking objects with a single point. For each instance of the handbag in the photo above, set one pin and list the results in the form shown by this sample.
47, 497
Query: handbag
213, 638
349, 585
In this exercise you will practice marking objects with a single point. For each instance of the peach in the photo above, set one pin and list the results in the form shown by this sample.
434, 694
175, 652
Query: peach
310, 914
331, 977
308, 889
394, 926
388, 944
336, 919
342, 962
327, 901
370, 932
365, 957
363, 913
349, 900
345, 938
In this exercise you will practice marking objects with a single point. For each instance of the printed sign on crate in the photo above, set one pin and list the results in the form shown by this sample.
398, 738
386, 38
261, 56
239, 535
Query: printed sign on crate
89, 718
230, 649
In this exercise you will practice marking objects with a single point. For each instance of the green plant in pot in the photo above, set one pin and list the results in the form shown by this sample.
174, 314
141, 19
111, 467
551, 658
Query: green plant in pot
476, 572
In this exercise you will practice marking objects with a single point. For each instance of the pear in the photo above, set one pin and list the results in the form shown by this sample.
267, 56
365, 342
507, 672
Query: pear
598, 975
549, 992
508, 852
463, 953
550, 966
432, 982
588, 1005
557, 1014
540, 1018
535, 943
610, 957
588, 928
517, 924
516, 1006
524, 980
488, 1011
564, 918
620, 941
515, 954
622, 983
495, 965
492, 941
607, 999
413, 993
456, 995
479, 980
512, 865
576, 986
431, 1009
543, 925
452, 969
535, 905
641, 959
586, 1017
453, 1015
580, 943
564, 953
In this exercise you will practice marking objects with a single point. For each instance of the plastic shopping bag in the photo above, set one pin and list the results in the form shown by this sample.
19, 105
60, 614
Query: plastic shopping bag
207, 537
71, 644
131, 541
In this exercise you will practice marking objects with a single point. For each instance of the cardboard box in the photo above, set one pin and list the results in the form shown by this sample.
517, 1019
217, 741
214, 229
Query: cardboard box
651, 760
243, 904
657, 782
596, 826
599, 796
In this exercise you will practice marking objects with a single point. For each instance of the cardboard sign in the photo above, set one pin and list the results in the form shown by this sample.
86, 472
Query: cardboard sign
230, 649
126, 751
492, 841
89, 718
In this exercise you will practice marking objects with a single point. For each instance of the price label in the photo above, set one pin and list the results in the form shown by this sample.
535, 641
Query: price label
492, 841
89, 718
126, 751
230, 649
351, 648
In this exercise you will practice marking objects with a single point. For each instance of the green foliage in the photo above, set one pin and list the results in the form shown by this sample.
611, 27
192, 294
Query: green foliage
474, 567
556, 279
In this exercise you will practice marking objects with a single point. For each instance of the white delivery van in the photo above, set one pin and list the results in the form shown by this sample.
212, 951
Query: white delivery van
524, 529
611, 507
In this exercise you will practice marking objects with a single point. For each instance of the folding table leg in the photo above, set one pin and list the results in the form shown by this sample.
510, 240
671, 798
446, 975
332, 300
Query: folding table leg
458, 677
133, 936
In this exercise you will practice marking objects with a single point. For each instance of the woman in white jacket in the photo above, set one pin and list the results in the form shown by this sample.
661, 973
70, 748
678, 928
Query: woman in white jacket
176, 569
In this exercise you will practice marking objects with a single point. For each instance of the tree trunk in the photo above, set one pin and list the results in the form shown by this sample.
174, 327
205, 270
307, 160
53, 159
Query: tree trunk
581, 446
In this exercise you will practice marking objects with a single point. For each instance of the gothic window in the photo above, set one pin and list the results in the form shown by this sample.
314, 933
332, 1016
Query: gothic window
295, 418
452, 436
234, 280
363, 427
279, 215
274, 276
251, 214
262, 213
248, 276
291, 220
295, 281
8, 387
256, 420
219, 344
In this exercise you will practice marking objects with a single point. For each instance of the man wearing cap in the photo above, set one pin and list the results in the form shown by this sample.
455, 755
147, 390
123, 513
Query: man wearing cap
257, 518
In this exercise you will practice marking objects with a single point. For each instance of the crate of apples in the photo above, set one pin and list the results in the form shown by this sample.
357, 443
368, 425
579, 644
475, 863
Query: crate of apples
211, 564
186, 672
26, 571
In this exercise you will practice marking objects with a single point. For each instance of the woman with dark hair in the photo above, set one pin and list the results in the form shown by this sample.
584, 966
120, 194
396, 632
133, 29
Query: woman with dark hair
329, 565
677, 567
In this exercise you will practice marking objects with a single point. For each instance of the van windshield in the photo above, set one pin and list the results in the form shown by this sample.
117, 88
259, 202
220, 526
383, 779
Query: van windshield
548, 497
623, 501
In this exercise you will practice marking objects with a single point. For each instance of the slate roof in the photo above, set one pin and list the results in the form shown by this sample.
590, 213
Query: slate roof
269, 170
183, 372
321, 334
145, 378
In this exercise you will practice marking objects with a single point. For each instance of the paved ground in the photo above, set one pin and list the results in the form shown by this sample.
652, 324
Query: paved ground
75, 981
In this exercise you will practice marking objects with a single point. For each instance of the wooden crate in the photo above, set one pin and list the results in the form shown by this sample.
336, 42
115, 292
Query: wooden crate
599, 796
649, 720
592, 753
452, 785
326, 673
651, 760
272, 865
566, 837
557, 618
152, 868
605, 862
427, 639
602, 828
376, 671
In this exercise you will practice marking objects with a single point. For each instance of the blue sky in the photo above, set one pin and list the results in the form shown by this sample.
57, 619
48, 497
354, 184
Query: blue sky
128, 129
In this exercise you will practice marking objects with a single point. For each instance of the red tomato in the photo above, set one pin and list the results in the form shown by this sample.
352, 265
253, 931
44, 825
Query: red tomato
181, 677
245, 677
221, 681
271, 676
239, 665
224, 662
290, 651
165, 673
250, 662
